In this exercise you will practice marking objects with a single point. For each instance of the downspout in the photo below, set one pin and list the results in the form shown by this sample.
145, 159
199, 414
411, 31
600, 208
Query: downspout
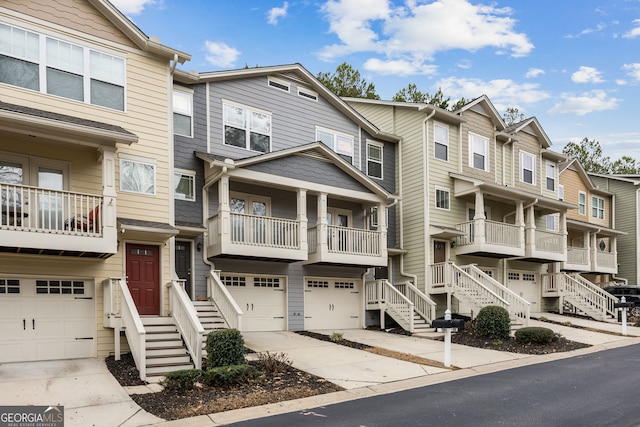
205, 216
401, 218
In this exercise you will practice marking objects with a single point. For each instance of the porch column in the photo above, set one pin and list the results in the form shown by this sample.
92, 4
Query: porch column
594, 251
520, 222
109, 222
302, 220
563, 231
479, 219
382, 228
530, 231
321, 224
224, 211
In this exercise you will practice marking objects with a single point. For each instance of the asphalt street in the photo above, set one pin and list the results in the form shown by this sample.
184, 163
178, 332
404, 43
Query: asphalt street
597, 389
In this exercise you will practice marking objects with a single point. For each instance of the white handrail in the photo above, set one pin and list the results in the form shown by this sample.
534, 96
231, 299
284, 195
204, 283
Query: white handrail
228, 307
518, 306
133, 327
422, 304
475, 290
399, 303
186, 320
591, 294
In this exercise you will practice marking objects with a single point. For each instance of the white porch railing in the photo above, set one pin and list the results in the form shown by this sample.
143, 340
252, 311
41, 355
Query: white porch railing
440, 274
517, 306
422, 304
186, 320
467, 288
347, 241
227, 306
605, 259
548, 241
577, 256
496, 233
384, 295
257, 230
580, 293
34, 209
131, 322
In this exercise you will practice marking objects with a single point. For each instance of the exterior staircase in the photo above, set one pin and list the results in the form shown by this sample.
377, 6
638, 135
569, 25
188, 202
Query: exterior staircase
403, 302
164, 349
578, 295
210, 318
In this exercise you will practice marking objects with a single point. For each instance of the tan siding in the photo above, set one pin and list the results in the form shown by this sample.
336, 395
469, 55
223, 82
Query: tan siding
573, 184
529, 144
479, 124
78, 15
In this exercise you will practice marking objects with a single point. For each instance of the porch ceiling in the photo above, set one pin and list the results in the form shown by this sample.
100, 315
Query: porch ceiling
572, 224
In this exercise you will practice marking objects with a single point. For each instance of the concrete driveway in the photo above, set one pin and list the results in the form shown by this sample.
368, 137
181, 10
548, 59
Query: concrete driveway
85, 387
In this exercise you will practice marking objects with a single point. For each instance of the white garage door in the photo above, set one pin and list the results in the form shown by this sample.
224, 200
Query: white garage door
527, 285
46, 319
262, 300
331, 304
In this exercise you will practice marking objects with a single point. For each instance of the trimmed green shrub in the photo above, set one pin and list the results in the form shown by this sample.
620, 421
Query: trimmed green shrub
493, 322
224, 348
184, 379
535, 335
227, 375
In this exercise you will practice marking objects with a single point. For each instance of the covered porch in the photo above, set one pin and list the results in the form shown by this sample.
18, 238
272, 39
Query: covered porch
591, 248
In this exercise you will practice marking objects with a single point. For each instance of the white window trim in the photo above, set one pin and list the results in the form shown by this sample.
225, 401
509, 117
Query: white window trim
435, 203
247, 129
555, 181
186, 173
560, 192
189, 93
142, 160
336, 134
596, 206
338, 211
585, 203
471, 152
250, 198
381, 162
445, 143
551, 220
43, 34
524, 154
278, 82
373, 217
309, 94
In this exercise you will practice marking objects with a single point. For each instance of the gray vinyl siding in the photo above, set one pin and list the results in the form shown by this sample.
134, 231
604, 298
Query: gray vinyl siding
293, 118
388, 181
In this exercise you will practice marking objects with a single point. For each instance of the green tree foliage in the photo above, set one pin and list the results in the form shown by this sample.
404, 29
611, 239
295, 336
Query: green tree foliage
512, 116
412, 94
346, 81
625, 165
589, 154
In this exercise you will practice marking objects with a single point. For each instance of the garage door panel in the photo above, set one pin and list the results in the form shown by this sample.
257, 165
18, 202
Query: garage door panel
262, 300
332, 304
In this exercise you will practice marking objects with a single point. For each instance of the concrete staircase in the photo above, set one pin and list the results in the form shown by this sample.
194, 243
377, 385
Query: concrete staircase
210, 319
165, 352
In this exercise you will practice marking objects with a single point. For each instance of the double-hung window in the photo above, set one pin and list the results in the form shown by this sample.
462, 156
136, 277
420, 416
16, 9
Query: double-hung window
49, 65
442, 198
247, 128
582, 203
182, 113
441, 142
597, 207
479, 152
551, 176
527, 168
374, 160
137, 175
338, 142
184, 183
551, 222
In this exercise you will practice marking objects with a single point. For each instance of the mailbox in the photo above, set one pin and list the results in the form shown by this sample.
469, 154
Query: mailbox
447, 324
623, 305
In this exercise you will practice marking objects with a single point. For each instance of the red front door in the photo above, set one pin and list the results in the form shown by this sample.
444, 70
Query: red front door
143, 277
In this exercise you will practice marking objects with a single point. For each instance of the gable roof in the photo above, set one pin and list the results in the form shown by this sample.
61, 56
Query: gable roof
293, 72
440, 113
140, 39
316, 150
532, 123
488, 106
574, 164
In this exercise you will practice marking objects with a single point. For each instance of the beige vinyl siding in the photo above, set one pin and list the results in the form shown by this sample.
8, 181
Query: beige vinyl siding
75, 14
479, 124
529, 144
573, 184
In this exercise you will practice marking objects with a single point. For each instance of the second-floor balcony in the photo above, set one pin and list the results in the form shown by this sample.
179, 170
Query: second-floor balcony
591, 260
346, 245
40, 221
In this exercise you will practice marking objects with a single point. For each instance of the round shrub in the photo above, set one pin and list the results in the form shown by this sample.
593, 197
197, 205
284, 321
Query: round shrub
493, 322
224, 348
222, 376
181, 380
535, 335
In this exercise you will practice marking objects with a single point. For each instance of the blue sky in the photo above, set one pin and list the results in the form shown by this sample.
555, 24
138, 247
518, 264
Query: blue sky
574, 64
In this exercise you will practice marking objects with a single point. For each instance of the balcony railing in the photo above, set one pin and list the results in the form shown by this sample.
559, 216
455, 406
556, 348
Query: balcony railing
347, 241
577, 256
606, 259
548, 241
32, 209
264, 231
495, 233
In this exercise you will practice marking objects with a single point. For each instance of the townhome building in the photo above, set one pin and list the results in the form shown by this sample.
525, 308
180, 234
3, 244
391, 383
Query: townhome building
85, 176
624, 209
480, 215
285, 200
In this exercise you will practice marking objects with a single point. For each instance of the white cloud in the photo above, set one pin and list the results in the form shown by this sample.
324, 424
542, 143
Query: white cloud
220, 54
464, 64
585, 103
586, 31
132, 7
634, 32
633, 70
502, 92
534, 72
587, 75
276, 13
377, 26
398, 67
